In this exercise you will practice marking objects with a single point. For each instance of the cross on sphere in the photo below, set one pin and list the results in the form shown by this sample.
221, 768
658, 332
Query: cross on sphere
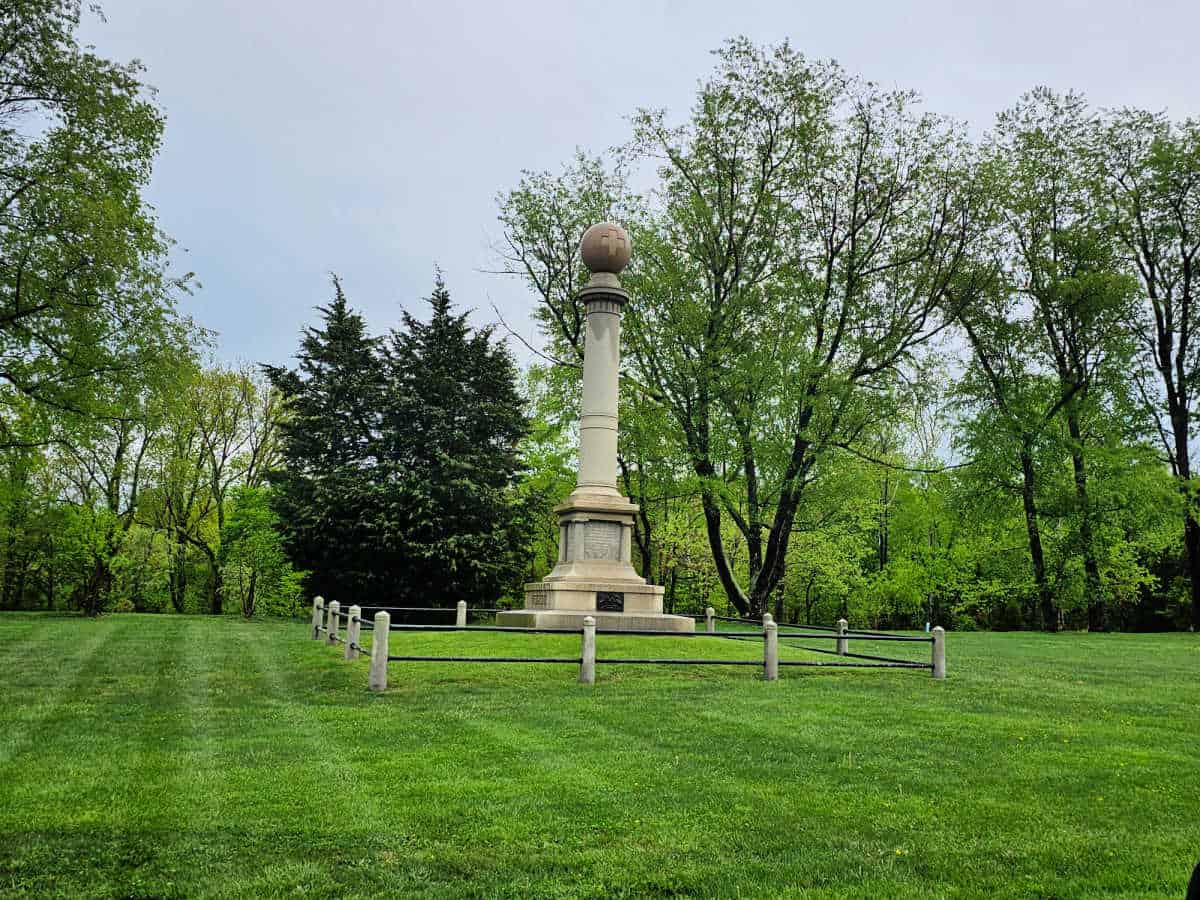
605, 247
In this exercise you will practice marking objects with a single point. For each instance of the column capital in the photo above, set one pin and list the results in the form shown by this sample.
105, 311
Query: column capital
613, 293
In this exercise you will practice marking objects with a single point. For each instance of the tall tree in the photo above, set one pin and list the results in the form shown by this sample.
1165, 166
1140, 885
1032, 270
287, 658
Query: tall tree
1149, 187
82, 282
1015, 407
324, 494
1059, 259
254, 564
105, 467
449, 438
221, 431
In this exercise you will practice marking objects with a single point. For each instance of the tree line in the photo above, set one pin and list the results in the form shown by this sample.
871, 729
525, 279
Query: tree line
873, 367
876, 367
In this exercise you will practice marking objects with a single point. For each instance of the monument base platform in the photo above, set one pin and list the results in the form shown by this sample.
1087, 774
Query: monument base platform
572, 619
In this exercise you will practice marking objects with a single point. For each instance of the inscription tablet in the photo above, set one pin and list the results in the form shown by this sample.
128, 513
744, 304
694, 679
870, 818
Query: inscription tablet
602, 540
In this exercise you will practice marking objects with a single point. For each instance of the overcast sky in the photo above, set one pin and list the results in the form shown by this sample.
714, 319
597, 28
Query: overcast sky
371, 138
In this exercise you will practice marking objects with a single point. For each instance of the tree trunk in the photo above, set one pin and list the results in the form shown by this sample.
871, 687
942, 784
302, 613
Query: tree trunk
1093, 589
21, 573
1191, 542
883, 521
642, 529
712, 526
248, 602
178, 575
98, 583
1191, 529
7, 570
753, 602
216, 584
1029, 500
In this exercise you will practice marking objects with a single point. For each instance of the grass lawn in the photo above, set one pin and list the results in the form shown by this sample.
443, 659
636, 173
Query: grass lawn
183, 756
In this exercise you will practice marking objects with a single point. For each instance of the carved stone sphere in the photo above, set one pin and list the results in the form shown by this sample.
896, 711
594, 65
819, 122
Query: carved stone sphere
605, 248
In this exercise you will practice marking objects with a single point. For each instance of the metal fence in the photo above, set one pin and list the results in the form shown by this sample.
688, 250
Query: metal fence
327, 621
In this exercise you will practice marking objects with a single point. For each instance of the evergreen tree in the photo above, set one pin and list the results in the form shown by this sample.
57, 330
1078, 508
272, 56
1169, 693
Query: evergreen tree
449, 458
324, 491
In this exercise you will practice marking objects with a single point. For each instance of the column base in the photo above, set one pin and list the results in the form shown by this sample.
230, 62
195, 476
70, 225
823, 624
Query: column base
572, 620
615, 605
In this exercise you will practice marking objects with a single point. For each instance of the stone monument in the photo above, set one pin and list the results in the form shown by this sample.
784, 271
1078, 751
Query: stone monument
594, 575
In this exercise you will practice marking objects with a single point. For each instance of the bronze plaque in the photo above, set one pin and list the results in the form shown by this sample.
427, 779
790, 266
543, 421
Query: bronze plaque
610, 601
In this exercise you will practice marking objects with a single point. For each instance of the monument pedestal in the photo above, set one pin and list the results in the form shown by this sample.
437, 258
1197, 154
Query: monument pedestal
595, 575
572, 620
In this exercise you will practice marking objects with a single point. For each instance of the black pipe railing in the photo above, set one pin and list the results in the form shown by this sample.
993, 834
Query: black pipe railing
849, 635
577, 660
896, 664
450, 612
815, 632
511, 629
683, 662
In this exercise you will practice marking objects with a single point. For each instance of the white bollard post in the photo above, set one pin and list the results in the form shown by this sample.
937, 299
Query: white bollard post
843, 645
770, 649
318, 614
331, 635
939, 652
377, 676
460, 617
587, 663
353, 630
710, 623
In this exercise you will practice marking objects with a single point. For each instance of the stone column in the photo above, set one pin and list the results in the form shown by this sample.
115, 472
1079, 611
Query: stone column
598, 414
843, 645
460, 614
606, 250
710, 623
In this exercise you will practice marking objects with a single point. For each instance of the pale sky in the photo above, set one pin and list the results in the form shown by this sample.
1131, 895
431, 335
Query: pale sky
371, 138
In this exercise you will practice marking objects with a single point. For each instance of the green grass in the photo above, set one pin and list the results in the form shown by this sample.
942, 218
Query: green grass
184, 756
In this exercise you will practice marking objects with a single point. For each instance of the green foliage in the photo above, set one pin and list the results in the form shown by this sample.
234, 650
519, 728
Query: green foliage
452, 424
400, 460
752, 248
808, 248
548, 454
84, 297
543, 218
255, 567
323, 491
